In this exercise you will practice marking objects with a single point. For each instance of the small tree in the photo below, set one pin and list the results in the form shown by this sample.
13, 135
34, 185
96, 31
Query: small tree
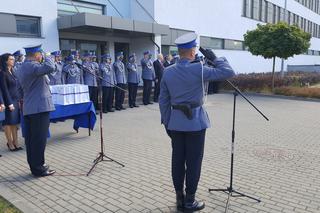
277, 40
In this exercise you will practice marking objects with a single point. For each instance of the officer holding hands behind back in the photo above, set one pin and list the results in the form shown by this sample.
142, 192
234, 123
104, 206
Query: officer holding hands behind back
184, 117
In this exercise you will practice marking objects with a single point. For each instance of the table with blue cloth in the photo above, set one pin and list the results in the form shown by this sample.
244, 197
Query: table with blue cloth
84, 115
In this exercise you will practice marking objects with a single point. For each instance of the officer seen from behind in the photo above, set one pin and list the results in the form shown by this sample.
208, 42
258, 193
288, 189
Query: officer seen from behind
184, 117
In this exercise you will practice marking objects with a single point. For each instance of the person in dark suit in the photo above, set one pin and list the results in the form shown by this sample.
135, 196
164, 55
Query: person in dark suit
167, 60
10, 87
158, 68
37, 103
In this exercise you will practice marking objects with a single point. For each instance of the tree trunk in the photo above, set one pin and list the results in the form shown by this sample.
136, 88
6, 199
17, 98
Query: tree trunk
273, 68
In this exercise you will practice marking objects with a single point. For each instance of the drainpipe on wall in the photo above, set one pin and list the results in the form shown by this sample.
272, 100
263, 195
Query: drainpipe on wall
155, 44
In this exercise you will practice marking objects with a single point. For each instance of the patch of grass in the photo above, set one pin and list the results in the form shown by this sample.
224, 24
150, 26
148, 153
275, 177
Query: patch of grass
298, 91
6, 207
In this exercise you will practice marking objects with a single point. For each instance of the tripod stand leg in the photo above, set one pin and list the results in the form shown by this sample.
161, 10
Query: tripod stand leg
112, 160
95, 162
244, 195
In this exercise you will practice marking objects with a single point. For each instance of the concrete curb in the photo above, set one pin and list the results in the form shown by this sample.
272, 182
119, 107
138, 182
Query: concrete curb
274, 96
18, 201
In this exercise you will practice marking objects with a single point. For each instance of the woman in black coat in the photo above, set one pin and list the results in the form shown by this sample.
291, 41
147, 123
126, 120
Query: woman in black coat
10, 88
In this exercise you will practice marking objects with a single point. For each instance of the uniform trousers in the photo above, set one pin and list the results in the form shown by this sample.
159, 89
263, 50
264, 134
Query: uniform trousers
120, 96
187, 155
107, 98
147, 88
133, 88
36, 132
93, 94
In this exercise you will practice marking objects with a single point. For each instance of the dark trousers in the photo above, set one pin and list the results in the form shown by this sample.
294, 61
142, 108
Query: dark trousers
133, 88
120, 96
147, 88
156, 91
36, 132
93, 94
187, 154
107, 98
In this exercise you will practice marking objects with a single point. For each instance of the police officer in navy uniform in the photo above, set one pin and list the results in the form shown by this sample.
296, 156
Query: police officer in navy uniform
108, 81
37, 103
90, 78
175, 58
181, 102
133, 80
148, 76
119, 69
71, 72
95, 66
56, 76
19, 57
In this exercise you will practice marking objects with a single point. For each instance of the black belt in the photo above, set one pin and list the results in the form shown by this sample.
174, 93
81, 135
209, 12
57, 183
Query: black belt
186, 109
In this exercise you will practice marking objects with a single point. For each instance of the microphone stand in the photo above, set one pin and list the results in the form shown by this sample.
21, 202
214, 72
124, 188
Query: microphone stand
230, 190
101, 156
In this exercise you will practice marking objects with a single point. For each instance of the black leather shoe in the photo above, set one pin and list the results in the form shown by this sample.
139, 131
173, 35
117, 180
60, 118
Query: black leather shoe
180, 200
11, 150
110, 110
105, 111
131, 106
150, 103
192, 205
122, 108
46, 173
18, 148
119, 109
135, 106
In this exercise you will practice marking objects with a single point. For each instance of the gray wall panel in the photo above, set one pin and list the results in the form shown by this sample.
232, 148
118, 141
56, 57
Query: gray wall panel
140, 26
121, 24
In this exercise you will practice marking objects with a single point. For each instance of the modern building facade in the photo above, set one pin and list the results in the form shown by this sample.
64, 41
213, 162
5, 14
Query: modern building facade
137, 25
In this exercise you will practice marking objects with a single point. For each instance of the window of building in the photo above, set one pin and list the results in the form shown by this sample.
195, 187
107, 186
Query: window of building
256, 9
28, 26
263, 14
247, 8
270, 13
66, 46
233, 45
310, 4
69, 7
317, 53
216, 43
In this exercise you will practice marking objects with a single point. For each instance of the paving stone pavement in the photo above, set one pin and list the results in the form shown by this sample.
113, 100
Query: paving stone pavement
276, 161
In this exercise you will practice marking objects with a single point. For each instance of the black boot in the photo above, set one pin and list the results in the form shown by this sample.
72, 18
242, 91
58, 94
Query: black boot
191, 205
180, 200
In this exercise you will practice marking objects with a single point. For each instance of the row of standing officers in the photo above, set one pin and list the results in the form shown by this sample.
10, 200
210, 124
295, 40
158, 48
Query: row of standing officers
89, 72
